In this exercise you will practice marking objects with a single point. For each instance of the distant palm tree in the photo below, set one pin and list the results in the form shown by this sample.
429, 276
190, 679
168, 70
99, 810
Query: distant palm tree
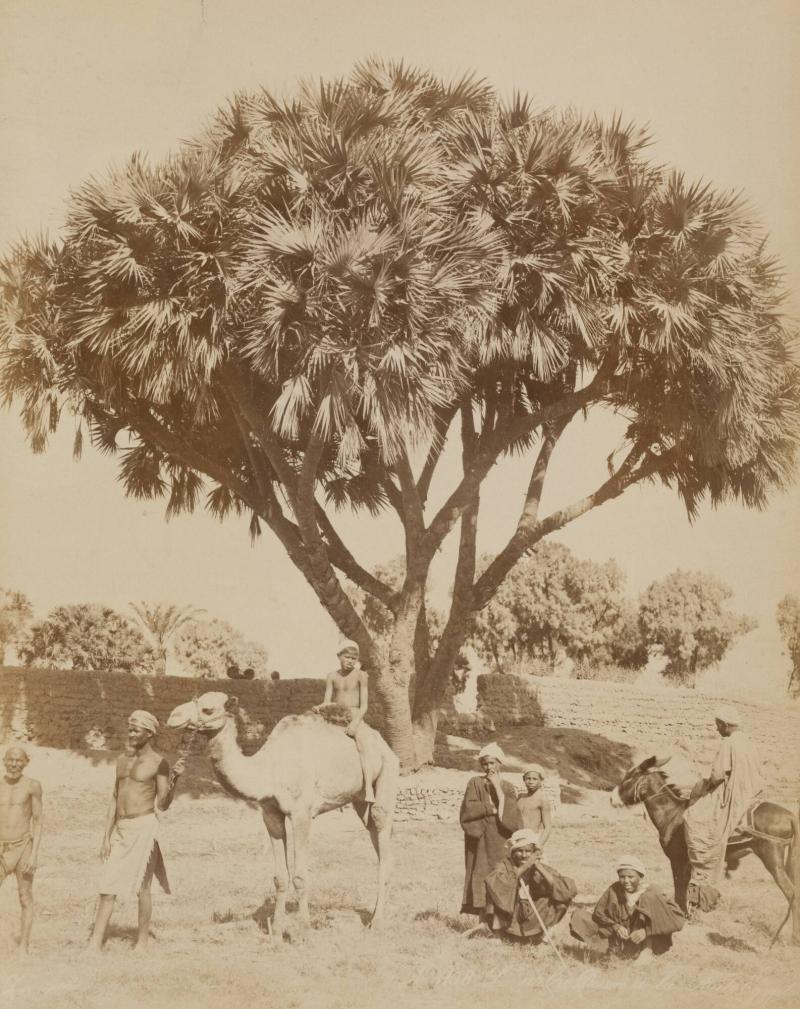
162, 621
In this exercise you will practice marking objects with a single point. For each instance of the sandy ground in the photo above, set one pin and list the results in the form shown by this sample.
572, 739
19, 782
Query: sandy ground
210, 939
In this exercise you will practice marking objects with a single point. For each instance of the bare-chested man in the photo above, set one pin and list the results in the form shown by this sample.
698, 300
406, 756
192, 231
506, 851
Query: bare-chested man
348, 686
20, 833
130, 850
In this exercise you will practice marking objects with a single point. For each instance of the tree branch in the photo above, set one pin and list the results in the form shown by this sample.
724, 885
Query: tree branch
490, 580
154, 430
432, 683
517, 544
311, 554
487, 454
413, 517
343, 559
234, 386
438, 441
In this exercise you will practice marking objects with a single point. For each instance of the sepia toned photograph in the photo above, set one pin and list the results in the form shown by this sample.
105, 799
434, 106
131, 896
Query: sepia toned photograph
399, 504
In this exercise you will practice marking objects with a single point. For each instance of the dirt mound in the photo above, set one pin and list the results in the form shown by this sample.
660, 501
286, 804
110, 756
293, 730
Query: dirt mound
579, 758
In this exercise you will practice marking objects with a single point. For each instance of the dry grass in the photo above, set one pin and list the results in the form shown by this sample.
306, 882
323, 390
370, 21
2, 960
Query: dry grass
210, 943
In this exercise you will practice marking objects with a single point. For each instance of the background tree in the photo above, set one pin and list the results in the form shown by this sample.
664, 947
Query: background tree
88, 636
209, 648
298, 310
162, 621
555, 606
684, 614
16, 613
788, 617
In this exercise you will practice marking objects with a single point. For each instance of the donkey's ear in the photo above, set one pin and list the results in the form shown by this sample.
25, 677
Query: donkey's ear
647, 764
232, 704
660, 761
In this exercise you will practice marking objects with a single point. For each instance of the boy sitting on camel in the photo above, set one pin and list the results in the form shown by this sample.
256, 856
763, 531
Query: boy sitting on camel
347, 686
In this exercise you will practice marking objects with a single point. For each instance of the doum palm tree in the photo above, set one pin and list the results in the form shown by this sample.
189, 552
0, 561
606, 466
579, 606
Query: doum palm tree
298, 311
162, 621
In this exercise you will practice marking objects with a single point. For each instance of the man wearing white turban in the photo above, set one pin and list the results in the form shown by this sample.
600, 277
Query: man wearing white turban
130, 852
523, 896
489, 816
718, 804
631, 919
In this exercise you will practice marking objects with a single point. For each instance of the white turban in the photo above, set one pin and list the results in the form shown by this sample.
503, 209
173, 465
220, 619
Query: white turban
349, 648
144, 720
492, 750
631, 862
728, 714
533, 769
521, 838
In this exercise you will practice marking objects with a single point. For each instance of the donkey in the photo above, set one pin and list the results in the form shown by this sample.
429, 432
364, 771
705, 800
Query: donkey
771, 828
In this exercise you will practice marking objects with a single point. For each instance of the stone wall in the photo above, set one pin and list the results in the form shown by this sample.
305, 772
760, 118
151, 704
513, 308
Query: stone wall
425, 803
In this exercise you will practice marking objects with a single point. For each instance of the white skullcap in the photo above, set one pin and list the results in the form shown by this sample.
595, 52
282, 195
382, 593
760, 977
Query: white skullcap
492, 750
533, 769
348, 647
631, 862
520, 838
728, 714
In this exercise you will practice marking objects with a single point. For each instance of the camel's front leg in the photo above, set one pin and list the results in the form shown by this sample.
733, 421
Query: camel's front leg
275, 822
301, 831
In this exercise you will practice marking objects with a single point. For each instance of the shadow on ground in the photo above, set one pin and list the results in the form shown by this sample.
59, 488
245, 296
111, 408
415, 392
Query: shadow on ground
580, 759
730, 942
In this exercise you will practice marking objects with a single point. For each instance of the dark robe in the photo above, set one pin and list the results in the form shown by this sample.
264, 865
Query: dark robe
485, 836
509, 911
658, 915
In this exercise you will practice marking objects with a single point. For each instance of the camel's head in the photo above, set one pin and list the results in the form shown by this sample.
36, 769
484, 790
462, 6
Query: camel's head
634, 787
206, 713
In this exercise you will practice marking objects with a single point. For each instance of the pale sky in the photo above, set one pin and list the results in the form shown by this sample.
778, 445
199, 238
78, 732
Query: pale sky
86, 83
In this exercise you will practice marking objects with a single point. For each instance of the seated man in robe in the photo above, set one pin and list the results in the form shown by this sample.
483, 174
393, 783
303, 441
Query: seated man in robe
718, 804
523, 896
632, 919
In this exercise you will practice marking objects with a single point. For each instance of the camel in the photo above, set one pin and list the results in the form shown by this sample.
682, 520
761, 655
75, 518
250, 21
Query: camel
307, 766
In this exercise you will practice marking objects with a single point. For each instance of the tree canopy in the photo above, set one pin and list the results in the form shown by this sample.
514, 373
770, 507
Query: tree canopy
88, 636
555, 606
788, 617
684, 614
210, 648
294, 312
162, 621
16, 613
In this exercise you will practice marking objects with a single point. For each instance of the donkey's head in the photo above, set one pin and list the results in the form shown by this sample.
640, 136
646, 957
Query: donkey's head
642, 781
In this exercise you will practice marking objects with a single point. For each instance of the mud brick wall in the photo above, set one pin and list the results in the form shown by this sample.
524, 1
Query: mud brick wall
88, 710
509, 700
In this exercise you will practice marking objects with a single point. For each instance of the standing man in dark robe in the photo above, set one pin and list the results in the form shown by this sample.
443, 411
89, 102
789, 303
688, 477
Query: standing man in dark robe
523, 896
489, 816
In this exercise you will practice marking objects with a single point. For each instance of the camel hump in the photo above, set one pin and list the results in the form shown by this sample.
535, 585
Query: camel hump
334, 714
